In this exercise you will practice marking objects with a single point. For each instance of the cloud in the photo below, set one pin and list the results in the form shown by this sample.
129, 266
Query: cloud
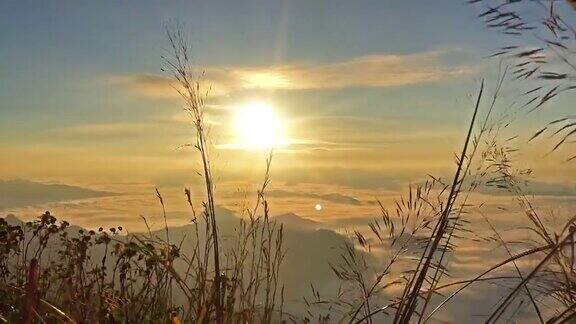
347, 177
145, 84
381, 70
107, 129
20, 193
368, 71
537, 188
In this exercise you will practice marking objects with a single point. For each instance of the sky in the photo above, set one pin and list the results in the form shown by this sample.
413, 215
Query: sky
366, 98
371, 96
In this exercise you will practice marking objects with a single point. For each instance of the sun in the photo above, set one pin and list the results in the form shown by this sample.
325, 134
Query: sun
258, 126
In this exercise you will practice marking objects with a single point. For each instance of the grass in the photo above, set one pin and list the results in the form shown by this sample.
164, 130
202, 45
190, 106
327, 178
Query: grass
547, 68
53, 272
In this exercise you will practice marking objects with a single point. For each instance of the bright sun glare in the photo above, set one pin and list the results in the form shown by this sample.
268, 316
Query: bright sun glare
259, 127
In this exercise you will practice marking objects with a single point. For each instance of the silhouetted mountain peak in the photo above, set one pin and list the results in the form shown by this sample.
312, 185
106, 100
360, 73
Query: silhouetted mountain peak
293, 221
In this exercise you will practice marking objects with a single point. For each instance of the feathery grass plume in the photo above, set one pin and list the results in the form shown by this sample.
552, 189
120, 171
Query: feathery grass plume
407, 307
550, 285
366, 292
409, 232
180, 65
555, 271
543, 53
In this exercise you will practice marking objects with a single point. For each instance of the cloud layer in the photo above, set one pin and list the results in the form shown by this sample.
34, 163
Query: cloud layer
381, 70
21, 193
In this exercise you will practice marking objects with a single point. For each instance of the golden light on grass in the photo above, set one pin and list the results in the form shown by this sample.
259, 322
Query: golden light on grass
258, 126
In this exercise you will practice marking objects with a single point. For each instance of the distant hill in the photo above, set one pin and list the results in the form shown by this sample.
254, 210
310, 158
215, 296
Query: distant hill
307, 245
22, 193
293, 221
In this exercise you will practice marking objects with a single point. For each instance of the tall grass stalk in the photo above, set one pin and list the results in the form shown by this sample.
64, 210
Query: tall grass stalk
407, 308
189, 89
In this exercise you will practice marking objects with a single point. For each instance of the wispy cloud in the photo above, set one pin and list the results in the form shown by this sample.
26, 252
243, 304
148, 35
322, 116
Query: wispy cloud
537, 188
381, 70
145, 84
107, 129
